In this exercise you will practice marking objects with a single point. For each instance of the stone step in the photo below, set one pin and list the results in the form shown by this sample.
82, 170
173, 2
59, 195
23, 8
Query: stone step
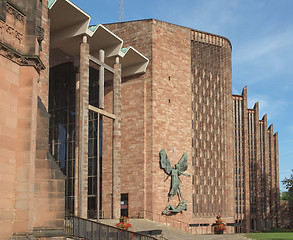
169, 233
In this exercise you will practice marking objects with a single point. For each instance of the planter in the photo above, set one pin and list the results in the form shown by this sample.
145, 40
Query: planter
219, 232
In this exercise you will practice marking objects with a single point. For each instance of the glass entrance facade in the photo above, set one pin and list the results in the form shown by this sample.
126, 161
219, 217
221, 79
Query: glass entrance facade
62, 101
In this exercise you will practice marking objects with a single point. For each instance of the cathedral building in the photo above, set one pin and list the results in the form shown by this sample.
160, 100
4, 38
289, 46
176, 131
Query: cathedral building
86, 110
256, 162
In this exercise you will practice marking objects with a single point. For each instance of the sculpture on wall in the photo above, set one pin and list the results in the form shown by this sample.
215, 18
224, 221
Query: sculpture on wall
174, 172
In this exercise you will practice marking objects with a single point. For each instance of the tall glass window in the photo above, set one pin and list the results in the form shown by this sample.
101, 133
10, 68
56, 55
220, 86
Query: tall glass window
95, 133
62, 133
62, 125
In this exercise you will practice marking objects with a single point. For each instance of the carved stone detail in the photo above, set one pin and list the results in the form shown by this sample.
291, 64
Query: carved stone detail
40, 34
2, 24
9, 54
10, 30
14, 12
22, 60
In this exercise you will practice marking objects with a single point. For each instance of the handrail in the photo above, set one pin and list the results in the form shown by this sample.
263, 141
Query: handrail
92, 230
250, 230
187, 227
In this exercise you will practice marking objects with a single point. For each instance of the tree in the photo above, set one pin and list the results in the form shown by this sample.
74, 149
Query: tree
285, 196
288, 184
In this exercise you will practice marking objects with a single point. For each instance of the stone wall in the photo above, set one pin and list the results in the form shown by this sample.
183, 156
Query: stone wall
31, 185
49, 187
8, 137
212, 127
157, 113
135, 121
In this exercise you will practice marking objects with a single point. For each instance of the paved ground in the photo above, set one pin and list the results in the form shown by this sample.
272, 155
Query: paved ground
140, 225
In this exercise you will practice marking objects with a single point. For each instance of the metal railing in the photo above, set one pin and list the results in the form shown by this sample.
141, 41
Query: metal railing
90, 230
167, 220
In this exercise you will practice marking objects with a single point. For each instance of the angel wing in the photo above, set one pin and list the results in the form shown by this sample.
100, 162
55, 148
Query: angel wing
165, 162
182, 164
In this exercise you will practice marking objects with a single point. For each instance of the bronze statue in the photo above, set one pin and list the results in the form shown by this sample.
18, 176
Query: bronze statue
174, 172
180, 207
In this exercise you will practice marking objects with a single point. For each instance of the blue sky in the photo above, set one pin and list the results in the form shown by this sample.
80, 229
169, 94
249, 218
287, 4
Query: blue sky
261, 33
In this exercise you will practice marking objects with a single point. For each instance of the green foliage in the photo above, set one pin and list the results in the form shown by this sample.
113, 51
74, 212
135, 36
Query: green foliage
285, 196
288, 184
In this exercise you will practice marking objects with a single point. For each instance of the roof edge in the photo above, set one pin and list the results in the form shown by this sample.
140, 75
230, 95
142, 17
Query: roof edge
192, 29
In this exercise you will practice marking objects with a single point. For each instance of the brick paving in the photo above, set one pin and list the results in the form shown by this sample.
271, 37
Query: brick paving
140, 225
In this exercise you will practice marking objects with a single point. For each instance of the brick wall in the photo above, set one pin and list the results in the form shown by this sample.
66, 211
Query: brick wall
259, 162
172, 110
212, 124
157, 113
136, 121
43, 86
107, 155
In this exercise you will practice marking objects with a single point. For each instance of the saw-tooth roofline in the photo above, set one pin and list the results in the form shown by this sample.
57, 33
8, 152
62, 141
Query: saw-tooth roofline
67, 33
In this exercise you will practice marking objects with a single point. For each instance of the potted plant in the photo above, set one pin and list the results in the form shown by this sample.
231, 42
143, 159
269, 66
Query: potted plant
219, 226
123, 223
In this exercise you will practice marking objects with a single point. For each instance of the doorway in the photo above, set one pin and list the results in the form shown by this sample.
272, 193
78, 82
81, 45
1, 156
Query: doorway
124, 204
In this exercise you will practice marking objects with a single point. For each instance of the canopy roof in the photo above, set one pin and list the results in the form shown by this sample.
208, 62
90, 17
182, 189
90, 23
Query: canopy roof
68, 26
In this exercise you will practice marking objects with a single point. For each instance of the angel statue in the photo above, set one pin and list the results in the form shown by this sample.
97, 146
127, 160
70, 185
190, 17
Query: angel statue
174, 172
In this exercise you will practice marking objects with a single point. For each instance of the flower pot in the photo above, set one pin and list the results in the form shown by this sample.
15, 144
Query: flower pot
219, 232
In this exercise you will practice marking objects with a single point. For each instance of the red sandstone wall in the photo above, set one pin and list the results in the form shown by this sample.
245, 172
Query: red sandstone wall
149, 121
49, 187
167, 107
134, 124
9, 86
172, 110
132, 143
212, 119
18, 130
107, 155
31, 187
43, 86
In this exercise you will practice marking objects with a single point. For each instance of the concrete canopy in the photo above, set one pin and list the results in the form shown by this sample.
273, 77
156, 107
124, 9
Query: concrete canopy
68, 26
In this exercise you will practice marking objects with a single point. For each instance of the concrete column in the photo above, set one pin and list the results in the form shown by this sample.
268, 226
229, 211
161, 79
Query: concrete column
101, 79
116, 175
83, 127
77, 120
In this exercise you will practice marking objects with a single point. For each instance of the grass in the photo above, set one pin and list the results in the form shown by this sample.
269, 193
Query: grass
271, 235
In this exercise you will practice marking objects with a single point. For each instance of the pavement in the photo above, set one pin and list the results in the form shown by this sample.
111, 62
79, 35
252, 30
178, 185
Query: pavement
169, 233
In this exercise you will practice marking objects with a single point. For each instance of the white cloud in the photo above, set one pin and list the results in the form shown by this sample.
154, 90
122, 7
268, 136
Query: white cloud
267, 105
212, 16
268, 47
